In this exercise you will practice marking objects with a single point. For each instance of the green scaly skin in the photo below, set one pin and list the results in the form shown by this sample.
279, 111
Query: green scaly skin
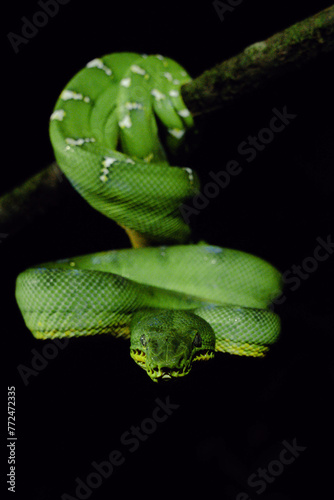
177, 304
113, 103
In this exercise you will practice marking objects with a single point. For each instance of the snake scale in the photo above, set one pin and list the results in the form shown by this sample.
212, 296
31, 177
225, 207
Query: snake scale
112, 128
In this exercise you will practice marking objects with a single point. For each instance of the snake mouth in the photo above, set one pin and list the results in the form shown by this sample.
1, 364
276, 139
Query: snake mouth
158, 374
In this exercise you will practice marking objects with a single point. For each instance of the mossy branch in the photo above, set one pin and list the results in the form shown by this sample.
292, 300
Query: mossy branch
261, 63
34, 198
216, 88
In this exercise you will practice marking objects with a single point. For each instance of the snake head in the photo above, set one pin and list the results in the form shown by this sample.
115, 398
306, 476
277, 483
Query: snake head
165, 343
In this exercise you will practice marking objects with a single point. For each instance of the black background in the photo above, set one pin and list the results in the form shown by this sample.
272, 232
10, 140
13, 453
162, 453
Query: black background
234, 412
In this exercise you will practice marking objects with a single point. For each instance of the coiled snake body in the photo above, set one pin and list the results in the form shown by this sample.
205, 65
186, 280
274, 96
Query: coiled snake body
178, 303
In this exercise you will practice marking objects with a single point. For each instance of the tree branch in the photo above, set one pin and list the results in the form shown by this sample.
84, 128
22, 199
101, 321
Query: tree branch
34, 198
261, 63
218, 87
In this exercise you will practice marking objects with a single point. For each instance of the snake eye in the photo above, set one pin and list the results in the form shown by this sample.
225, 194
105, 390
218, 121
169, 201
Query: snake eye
143, 340
197, 340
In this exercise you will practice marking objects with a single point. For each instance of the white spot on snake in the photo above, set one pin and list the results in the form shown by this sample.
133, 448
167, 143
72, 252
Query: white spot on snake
125, 82
58, 115
169, 76
144, 56
163, 251
78, 142
133, 105
98, 63
128, 160
159, 56
176, 132
126, 122
108, 160
183, 73
137, 69
213, 249
176, 82
174, 93
157, 94
190, 174
184, 113
67, 95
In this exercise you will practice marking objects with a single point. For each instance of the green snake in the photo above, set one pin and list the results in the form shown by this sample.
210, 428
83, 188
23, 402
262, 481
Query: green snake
112, 128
